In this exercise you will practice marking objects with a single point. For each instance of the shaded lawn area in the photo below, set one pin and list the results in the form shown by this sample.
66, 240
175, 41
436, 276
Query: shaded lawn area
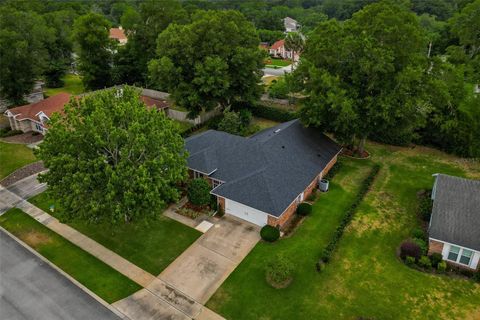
364, 278
277, 62
14, 156
73, 85
183, 125
152, 247
97, 276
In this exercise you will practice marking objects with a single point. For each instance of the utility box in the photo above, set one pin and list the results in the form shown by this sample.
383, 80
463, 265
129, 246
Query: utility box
323, 185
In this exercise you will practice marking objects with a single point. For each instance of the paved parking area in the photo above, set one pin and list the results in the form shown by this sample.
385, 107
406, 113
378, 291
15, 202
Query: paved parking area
31, 289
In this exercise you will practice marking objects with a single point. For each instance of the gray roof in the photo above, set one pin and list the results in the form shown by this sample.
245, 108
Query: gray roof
266, 171
456, 211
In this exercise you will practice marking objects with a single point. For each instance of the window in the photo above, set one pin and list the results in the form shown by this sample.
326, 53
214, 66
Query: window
38, 127
466, 256
215, 183
453, 254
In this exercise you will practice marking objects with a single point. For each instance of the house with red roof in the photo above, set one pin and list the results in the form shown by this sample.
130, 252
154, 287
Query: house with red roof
118, 34
278, 50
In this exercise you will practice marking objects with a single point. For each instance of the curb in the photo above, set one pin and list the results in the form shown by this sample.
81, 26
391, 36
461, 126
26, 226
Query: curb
66, 275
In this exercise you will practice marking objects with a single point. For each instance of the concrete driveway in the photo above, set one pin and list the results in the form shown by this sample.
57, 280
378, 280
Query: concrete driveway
180, 291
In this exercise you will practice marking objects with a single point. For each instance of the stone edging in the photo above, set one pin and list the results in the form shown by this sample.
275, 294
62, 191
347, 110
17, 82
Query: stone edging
66, 275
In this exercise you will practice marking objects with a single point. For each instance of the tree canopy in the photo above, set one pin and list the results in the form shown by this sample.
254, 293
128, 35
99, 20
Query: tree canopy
110, 158
213, 60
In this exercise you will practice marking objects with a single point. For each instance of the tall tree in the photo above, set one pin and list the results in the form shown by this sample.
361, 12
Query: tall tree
214, 60
91, 35
112, 159
23, 56
294, 42
364, 77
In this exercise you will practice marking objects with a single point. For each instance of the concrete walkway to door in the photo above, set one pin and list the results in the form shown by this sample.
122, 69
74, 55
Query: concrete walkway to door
197, 273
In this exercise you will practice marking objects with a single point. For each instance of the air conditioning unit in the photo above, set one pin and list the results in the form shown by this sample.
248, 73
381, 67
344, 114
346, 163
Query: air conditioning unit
323, 185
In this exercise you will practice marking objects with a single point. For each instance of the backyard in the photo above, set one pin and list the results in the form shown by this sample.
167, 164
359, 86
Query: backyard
151, 246
364, 279
100, 278
14, 156
73, 85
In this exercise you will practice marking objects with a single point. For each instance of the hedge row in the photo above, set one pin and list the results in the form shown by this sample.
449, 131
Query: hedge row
328, 251
271, 113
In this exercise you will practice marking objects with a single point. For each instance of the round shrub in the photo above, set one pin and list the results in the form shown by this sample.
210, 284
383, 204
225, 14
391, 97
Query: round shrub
436, 258
442, 266
418, 233
279, 271
198, 192
304, 209
269, 233
409, 248
409, 261
422, 244
425, 262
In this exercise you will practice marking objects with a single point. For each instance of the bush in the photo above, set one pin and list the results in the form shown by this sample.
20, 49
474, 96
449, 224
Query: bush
272, 113
304, 209
410, 261
442, 266
198, 192
245, 117
231, 123
269, 233
279, 271
333, 170
422, 244
278, 89
419, 233
476, 277
7, 132
410, 249
436, 258
425, 262
425, 205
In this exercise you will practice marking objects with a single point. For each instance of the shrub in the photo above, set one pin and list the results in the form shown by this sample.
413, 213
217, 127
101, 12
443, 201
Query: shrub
419, 233
334, 170
425, 205
269, 233
278, 89
245, 117
425, 262
476, 277
410, 261
436, 258
410, 249
442, 266
198, 192
422, 244
231, 123
272, 113
279, 271
7, 132
304, 209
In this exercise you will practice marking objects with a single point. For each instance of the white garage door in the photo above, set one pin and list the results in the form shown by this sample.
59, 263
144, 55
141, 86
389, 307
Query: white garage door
245, 212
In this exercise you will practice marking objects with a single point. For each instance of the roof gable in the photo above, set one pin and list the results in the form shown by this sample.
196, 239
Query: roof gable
44, 107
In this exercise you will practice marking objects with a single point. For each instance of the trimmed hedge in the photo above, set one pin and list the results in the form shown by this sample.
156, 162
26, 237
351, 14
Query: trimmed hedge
304, 209
198, 192
271, 113
366, 184
269, 233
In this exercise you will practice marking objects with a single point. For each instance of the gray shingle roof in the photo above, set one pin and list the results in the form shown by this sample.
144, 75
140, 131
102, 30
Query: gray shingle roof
266, 171
456, 211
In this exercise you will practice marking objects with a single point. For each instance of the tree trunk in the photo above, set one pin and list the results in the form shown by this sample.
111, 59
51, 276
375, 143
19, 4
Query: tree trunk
361, 146
429, 49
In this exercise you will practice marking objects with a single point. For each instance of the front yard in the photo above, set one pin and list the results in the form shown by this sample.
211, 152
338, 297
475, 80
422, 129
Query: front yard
152, 247
100, 278
276, 63
73, 85
365, 278
14, 156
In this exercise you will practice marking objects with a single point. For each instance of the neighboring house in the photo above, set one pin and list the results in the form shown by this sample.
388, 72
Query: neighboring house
119, 35
35, 116
263, 178
291, 25
278, 50
454, 229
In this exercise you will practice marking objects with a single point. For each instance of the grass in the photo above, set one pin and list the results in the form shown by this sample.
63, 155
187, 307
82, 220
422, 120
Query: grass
100, 278
364, 278
14, 156
152, 247
183, 125
273, 62
267, 80
73, 85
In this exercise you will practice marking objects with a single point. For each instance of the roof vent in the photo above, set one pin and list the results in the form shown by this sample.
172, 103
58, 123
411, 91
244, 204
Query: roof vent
277, 131
283, 147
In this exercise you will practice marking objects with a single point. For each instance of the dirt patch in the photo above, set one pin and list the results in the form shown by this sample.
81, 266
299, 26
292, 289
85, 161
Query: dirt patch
34, 238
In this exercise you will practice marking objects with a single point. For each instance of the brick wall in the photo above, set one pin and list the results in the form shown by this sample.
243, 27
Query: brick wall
435, 246
221, 203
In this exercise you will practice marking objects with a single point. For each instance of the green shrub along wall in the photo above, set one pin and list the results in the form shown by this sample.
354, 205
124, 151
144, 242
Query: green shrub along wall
271, 113
330, 248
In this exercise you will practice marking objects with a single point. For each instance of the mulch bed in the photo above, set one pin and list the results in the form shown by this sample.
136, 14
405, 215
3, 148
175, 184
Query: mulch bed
23, 172
192, 211
24, 138
355, 154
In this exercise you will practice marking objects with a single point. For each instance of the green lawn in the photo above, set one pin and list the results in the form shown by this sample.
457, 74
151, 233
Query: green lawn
14, 156
100, 278
364, 278
259, 124
277, 62
73, 85
183, 125
151, 247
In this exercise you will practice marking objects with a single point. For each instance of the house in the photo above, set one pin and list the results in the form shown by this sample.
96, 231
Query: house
263, 178
278, 50
454, 229
291, 25
118, 34
35, 116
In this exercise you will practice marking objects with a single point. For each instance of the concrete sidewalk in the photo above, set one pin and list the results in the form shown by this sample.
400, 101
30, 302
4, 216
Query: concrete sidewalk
20, 190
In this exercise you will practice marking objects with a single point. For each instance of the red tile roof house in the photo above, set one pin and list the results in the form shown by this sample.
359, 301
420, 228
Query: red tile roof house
454, 229
35, 116
119, 35
278, 50
263, 178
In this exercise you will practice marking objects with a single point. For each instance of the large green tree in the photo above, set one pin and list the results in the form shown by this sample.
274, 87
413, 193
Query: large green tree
215, 60
364, 77
111, 158
91, 36
23, 56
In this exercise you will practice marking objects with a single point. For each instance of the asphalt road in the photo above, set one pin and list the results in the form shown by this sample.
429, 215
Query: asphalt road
31, 289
